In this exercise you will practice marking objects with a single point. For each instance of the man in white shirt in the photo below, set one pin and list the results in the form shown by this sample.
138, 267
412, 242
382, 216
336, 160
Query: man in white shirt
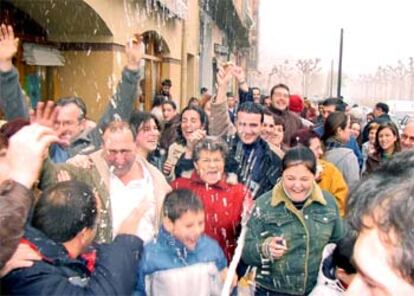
122, 180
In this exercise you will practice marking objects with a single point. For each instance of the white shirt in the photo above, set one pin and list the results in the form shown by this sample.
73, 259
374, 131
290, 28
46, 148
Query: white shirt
125, 198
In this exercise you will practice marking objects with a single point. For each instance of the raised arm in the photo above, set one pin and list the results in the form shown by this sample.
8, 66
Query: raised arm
245, 93
121, 104
11, 95
220, 123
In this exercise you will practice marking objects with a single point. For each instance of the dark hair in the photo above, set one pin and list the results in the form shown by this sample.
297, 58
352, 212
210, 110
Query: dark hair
276, 119
334, 121
384, 107
394, 130
192, 100
171, 103
203, 90
158, 101
10, 128
303, 137
166, 82
280, 85
385, 201
4, 142
74, 100
139, 118
255, 88
203, 119
63, 210
339, 104
252, 108
299, 155
179, 202
342, 254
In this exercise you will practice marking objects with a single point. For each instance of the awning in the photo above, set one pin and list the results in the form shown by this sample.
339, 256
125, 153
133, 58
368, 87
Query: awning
40, 55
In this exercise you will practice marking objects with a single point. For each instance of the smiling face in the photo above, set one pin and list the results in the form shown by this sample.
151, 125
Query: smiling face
280, 98
375, 277
298, 182
210, 166
355, 129
187, 229
270, 132
249, 126
386, 140
69, 124
147, 136
190, 122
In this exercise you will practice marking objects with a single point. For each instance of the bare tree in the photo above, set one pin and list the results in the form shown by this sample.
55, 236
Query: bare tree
398, 73
307, 67
282, 71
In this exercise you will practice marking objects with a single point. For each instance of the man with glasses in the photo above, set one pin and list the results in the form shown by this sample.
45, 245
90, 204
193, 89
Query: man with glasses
70, 123
407, 136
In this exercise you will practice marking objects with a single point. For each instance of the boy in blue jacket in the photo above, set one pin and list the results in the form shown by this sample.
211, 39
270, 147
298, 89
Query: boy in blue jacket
182, 260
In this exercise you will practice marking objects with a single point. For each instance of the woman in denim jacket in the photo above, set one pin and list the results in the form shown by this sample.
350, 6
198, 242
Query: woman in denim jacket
289, 228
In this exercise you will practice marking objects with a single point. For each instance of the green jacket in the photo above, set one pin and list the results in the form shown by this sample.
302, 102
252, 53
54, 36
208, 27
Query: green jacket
306, 233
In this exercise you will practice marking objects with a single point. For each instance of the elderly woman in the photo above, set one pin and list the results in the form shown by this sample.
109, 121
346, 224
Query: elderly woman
221, 195
328, 177
289, 228
387, 143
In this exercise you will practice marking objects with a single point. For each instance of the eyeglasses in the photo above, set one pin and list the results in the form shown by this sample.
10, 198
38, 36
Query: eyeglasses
406, 137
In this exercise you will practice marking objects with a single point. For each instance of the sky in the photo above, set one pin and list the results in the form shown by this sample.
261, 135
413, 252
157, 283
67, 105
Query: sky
375, 32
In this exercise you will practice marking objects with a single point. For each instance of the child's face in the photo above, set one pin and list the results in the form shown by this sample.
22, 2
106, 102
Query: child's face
188, 228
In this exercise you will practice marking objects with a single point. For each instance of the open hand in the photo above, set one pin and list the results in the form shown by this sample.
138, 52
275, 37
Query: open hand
8, 47
134, 52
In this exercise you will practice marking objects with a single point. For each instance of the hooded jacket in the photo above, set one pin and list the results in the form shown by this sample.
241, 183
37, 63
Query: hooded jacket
346, 162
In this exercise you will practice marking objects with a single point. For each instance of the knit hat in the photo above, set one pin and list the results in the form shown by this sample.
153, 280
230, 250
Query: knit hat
295, 103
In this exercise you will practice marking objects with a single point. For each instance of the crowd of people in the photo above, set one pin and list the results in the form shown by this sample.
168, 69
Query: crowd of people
269, 194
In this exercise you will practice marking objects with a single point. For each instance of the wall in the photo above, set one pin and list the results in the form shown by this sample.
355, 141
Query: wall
88, 76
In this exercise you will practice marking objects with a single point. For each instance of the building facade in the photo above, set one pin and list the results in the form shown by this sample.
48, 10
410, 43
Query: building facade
76, 47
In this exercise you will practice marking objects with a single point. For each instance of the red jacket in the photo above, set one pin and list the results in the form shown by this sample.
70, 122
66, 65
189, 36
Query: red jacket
223, 206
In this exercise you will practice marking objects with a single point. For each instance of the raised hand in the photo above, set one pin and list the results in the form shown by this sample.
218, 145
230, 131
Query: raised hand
8, 47
45, 114
27, 149
238, 72
224, 75
134, 52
